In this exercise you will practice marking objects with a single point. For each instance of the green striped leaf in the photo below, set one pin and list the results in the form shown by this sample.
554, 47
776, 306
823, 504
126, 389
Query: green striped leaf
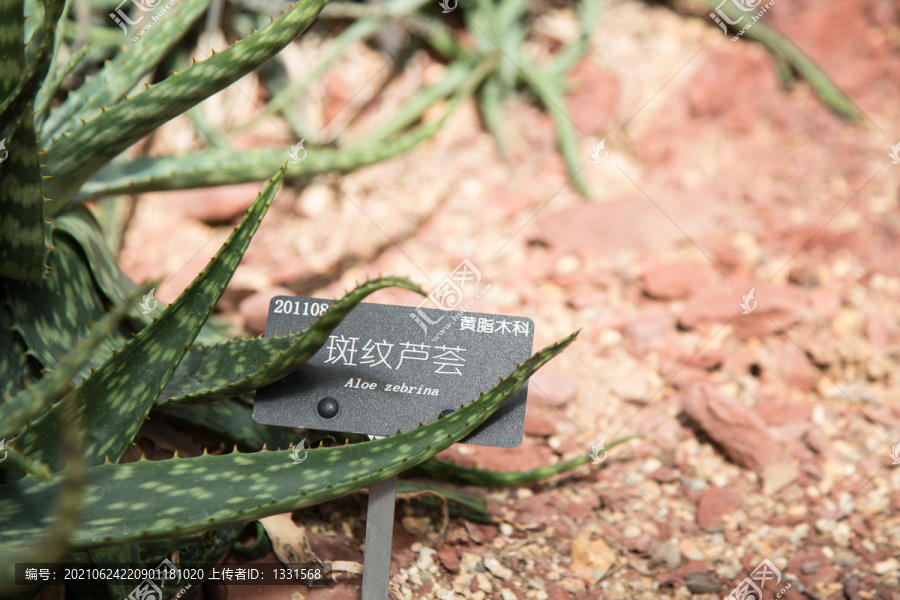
223, 166
447, 471
13, 361
54, 523
121, 74
240, 366
75, 158
31, 401
114, 401
53, 314
230, 421
150, 500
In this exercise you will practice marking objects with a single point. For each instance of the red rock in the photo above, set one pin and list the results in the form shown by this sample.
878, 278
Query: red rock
548, 389
337, 95
232, 297
554, 592
672, 280
651, 323
595, 229
733, 87
536, 425
586, 297
715, 304
823, 34
714, 504
790, 366
825, 302
778, 309
664, 475
255, 308
777, 412
524, 458
881, 329
578, 510
894, 496
694, 566
617, 498
771, 309
594, 97
562, 530
449, 558
639, 544
707, 359
812, 567
457, 534
330, 548
732, 426
217, 204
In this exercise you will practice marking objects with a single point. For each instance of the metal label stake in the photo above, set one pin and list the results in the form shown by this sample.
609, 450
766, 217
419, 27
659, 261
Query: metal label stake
379, 531
382, 372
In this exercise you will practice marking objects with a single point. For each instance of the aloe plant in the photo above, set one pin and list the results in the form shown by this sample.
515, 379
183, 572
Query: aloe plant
84, 368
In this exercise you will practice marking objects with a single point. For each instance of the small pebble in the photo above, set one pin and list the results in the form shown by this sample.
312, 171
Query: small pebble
484, 584
800, 532
886, 566
498, 570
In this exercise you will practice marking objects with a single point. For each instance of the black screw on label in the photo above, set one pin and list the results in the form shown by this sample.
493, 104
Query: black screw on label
327, 408
446, 412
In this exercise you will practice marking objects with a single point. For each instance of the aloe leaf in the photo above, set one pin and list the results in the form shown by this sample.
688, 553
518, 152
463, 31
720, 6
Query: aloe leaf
120, 75
548, 91
474, 504
230, 421
81, 225
447, 471
23, 250
210, 492
588, 14
115, 399
73, 159
84, 229
438, 498
53, 314
358, 30
28, 403
259, 548
12, 35
490, 102
239, 366
513, 35
13, 459
113, 589
52, 84
51, 87
225, 166
25, 66
48, 538
18, 370
833, 97
460, 74
13, 360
